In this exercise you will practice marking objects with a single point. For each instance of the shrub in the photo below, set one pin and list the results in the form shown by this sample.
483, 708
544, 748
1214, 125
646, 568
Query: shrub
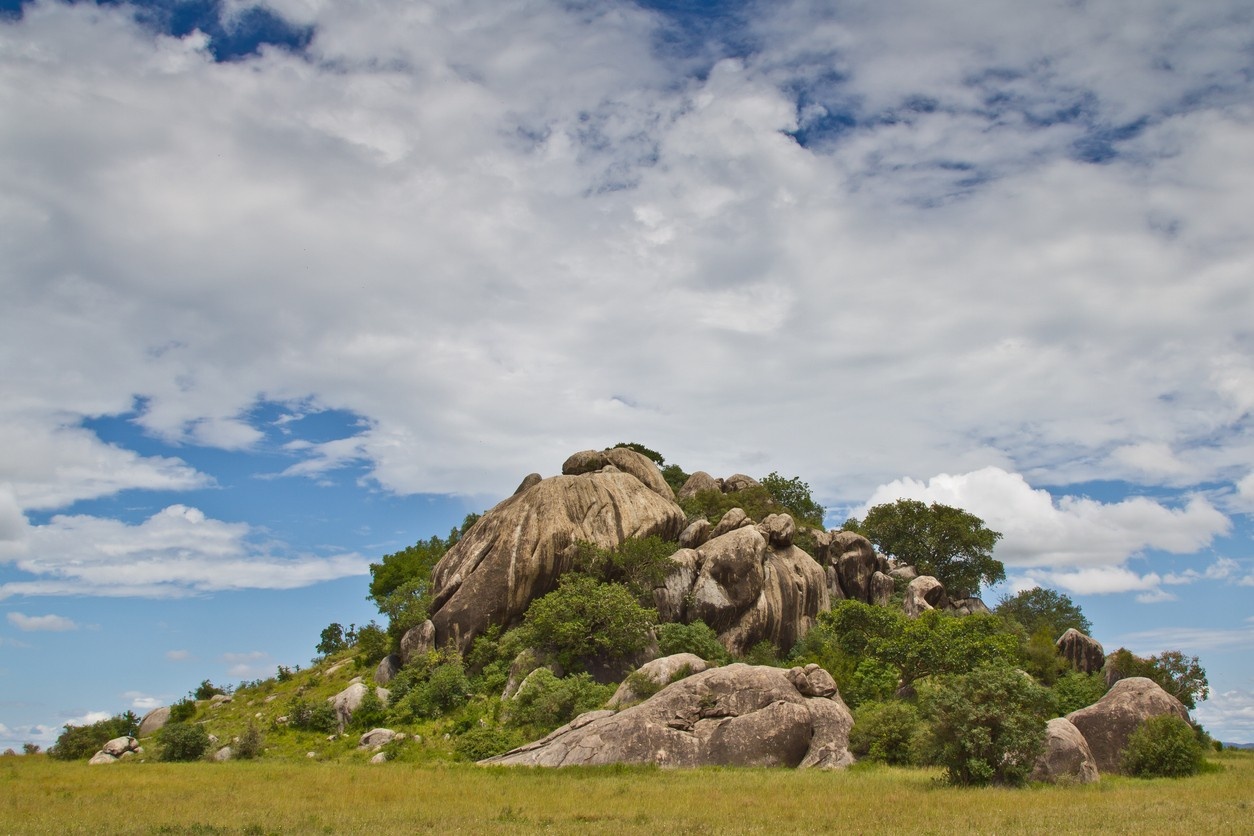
884, 731
429, 689
546, 702
371, 714
251, 743
182, 711
183, 742
762, 653
1163, 747
372, 645
206, 690
583, 621
987, 726
486, 740
697, 638
638, 563
307, 716
1075, 690
77, 742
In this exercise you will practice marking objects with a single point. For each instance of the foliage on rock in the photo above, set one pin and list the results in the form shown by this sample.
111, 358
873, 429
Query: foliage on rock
80, 742
583, 621
1163, 747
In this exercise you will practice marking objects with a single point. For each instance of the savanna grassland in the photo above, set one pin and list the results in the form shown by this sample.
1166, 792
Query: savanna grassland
39, 795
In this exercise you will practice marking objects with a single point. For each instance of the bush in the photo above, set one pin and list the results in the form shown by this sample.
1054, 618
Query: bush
987, 726
884, 731
546, 702
1076, 690
638, 563
583, 622
1163, 747
486, 740
372, 645
183, 742
182, 711
371, 714
697, 638
429, 688
251, 743
206, 690
307, 716
77, 742
762, 653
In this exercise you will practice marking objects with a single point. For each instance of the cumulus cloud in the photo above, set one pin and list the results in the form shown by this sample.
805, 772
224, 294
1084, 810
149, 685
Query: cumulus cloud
41, 623
250, 663
1229, 715
433, 221
177, 551
178, 655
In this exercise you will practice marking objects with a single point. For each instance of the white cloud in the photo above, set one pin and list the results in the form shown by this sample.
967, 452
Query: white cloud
178, 655
177, 551
1194, 640
1038, 530
251, 663
142, 702
478, 241
1228, 716
41, 623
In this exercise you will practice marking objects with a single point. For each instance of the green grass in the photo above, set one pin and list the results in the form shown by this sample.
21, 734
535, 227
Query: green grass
273, 795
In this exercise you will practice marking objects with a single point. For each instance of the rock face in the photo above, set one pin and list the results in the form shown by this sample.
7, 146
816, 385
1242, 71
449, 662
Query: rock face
1107, 723
622, 459
347, 702
1085, 654
749, 585
417, 641
389, 666
924, 593
1067, 757
115, 750
659, 672
154, 721
738, 715
517, 551
699, 482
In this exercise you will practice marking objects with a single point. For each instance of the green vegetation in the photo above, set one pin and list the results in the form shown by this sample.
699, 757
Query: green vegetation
794, 495
638, 563
584, 622
697, 638
183, 742
1038, 609
1163, 747
1181, 676
81, 742
947, 543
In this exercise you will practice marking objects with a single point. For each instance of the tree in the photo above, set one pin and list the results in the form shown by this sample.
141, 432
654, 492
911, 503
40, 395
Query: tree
206, 690
644, 451
988, 726
938, 540
638, 563
332, 639
583, 621
84, 741
1163, 747
1181, 676
794, 495
183, 741
1037, 608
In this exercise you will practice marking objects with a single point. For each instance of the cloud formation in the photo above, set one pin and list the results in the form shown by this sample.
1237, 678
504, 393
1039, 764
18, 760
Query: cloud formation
41, 623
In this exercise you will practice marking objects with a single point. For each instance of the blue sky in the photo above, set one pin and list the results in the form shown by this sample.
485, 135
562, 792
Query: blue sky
291, 285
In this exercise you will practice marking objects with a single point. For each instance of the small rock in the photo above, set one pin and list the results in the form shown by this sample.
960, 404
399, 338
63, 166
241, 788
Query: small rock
101, 758
381, 757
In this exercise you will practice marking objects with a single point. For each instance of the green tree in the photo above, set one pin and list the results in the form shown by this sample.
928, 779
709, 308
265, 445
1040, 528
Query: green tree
183, 742
76, 742
1038, 608
332, 639
583, 621
794, 495
546, 701
947, 543
697, 638
206, 690
884, 731
1181, 676
638, 563
1163, 747
987, 726
1075, 690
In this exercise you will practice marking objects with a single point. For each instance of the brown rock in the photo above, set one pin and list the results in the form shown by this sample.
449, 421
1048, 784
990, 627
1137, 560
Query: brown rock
778, 529
699, 482
517, 551
1066, 758
417, 641
1107, 723
738, 715
695, 534
388, 667
529, 481
660, 672
854, 559
730, 521
924, 593
882, 589
1085, 654
739, 482
154, 721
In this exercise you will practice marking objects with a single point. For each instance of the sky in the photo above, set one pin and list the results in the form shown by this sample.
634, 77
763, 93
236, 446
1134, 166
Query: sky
288, 286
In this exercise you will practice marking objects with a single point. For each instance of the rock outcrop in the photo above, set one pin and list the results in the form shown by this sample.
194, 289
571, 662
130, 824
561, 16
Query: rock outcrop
1108, 723
517, 551
699, 482
659, 672
347, 702
1067, 757
115, 750
1085, 654
622, 459
154, 721
924, 593
749, 585
389, 666
738, 715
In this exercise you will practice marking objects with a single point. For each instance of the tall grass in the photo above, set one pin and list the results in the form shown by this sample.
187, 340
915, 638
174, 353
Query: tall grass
38, 795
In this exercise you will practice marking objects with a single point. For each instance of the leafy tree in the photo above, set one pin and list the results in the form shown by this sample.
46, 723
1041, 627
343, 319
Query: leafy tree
183, 742
311, 716
30, 749
947, 543
77, 742
697, 638
1181, 676
794, 495
1043, 609
332, 639
1075, 690
884, 731
582, 621
1163, 747
644, 451
206, 690
547, 701
372, 644
638, 563
182, 711
675, 476
987, 726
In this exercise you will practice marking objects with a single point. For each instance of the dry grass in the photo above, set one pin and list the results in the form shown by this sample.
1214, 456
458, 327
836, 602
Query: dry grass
280, 796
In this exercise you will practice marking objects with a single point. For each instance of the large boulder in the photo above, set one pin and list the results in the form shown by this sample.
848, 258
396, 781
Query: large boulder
745, 589
623, 459
154, 721
1066, 758
924, 593
389, 666
699, 482
517, 551
1084, 654
738, 715
418, 640
1108, 723
854, 561
659, 672
739, 482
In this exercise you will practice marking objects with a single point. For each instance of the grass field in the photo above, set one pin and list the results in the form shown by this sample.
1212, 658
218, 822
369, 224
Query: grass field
38, 795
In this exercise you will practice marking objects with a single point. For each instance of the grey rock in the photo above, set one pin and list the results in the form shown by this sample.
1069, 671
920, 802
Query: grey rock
738, 482
388, 667
924, 593
623, 460
968, 606
223, 754
731, 520
380, 757
699, 482
659, 672
695, 534
375, 738
1083, 653
738, 715
1108, 723
529, 481
346, 702
119, 746
778, 529
882, 589
101, 758
855, 562
154, 721
1066, 758
417, 641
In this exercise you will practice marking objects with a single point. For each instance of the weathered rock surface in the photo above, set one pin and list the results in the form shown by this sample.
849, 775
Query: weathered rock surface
659, 672
924, 593
347, 702
101, 759
695, 535
118, 746
517, 551
733, 519
623, 459
154, 721
1085, 654
699, 482
376, 738
389, 666
417, 640
223, 754
529, 481
968, 606
851, 565
1107, 723
1067, 757
745, 589
738, 715
738, 482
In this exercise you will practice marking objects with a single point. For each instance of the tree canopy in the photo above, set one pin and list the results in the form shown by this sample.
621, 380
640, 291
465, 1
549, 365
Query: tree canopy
1038, 608
949, 544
